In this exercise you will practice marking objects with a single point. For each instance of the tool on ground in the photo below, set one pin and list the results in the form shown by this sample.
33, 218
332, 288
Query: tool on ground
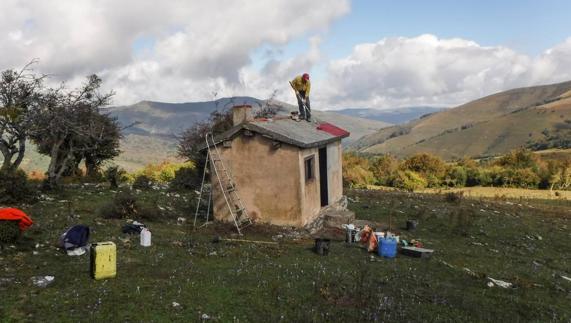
227, 185
304, 105
416, 252
219, 239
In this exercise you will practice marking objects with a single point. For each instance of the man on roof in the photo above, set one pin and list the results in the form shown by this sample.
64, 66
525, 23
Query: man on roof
302, 86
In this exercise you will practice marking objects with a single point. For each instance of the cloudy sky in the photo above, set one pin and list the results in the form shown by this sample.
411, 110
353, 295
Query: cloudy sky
361, 53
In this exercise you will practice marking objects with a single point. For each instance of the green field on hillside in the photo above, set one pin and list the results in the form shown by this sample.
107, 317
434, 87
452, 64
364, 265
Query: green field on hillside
522, 242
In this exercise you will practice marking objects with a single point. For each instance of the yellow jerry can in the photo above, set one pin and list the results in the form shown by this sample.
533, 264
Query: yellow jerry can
103, 260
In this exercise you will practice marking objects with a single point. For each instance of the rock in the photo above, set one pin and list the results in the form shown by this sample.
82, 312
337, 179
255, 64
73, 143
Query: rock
336, 218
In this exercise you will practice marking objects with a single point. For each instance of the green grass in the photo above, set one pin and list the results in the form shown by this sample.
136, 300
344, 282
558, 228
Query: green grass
288, 282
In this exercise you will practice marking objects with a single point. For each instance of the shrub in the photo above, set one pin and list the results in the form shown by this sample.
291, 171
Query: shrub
115, 176
356, 171
143, 182
15, 188
520, 158
456, 176
126, 205
409, 181
162, 173
186, 178
425, 164
521, 177
492, 176
384, 169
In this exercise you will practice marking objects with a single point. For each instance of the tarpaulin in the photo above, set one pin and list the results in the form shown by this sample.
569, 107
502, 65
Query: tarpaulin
333, 130
12, 214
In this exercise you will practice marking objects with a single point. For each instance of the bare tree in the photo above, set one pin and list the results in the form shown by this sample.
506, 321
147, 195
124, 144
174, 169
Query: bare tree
20, 94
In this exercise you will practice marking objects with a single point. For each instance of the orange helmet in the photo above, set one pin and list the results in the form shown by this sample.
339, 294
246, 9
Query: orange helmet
305, 76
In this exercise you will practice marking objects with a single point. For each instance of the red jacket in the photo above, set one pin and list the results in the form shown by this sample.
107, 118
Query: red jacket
12, 214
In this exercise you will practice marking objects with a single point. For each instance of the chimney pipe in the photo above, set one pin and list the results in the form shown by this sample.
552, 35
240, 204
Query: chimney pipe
241, 114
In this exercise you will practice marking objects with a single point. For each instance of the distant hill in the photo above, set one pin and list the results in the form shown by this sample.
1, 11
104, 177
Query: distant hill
488, 126
394, 116
154, 137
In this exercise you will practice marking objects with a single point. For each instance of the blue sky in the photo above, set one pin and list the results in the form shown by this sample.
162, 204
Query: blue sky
526, 26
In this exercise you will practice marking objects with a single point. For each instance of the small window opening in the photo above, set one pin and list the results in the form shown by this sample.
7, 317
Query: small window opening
309, 168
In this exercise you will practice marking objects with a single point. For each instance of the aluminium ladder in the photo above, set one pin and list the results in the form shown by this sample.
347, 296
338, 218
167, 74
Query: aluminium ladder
227, 185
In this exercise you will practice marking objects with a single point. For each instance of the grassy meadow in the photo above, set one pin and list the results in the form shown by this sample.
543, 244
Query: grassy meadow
185, 277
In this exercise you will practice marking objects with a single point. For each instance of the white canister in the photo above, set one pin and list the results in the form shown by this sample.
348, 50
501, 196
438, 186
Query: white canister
145, 237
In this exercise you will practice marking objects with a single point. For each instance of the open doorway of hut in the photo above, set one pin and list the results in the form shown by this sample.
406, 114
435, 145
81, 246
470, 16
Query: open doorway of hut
323, 188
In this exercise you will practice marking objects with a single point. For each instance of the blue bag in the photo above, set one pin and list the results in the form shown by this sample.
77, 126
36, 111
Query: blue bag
75, 237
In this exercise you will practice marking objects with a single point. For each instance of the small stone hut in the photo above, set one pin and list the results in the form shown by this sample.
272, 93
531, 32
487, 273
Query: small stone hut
285, 170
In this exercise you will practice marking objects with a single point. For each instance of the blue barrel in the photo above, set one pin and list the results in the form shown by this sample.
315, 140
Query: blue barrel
387, 248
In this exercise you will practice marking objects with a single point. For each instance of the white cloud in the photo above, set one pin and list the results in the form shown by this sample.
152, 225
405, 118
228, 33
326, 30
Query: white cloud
194, 48
426, 70
198, 45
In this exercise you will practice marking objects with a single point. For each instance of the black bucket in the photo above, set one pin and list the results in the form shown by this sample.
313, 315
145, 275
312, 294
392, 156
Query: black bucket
322, 246
350, 235
411, 225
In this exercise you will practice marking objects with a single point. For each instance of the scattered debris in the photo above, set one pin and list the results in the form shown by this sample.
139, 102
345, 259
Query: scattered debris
218, 239
566, 278
175, 305
470, 272
500, 283
180, 221
42, 281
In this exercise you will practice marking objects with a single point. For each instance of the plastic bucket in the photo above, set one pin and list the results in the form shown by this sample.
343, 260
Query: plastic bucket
145, 237
387, 248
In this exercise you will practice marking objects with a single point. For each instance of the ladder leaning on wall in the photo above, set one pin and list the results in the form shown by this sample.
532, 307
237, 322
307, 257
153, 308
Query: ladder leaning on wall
221, 174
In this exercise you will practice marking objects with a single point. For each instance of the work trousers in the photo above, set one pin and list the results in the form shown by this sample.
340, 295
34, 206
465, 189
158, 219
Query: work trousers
304, 113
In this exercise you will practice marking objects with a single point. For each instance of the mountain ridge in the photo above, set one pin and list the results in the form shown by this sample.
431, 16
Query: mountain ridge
439, 133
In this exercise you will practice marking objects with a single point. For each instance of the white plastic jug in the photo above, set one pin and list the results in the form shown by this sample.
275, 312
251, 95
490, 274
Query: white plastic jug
145, 237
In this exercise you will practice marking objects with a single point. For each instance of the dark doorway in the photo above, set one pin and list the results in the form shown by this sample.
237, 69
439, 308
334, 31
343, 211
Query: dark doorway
323, 188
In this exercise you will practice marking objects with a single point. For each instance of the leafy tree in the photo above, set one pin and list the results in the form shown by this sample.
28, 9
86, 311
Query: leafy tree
193, 139
384, 169
356, 171
68, 124
20, 94
432, 168
519, 158
409, 181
